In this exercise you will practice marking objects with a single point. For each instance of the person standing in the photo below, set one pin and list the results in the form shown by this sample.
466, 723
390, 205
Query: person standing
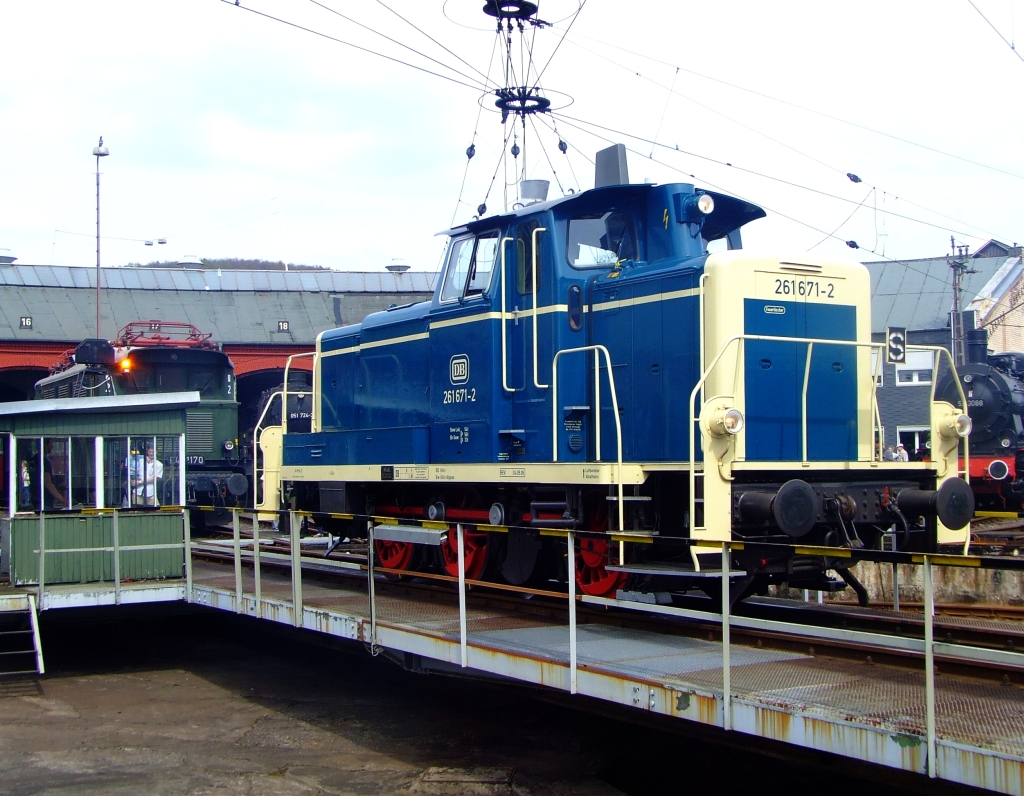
889, 455
901, 454
146, 470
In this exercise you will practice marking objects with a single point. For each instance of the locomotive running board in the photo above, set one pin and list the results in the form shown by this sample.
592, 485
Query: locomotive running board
409, 533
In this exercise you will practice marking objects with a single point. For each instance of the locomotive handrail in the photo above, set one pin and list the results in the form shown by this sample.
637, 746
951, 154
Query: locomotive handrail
938, 351
809, 341
598, 350
504, 319
536, 374
284, 399
257, 432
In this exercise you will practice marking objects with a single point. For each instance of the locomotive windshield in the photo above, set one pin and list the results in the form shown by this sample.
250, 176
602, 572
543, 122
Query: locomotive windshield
601, 240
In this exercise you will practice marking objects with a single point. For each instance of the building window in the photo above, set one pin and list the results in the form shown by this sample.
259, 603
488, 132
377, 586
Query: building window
916, 440
916, 370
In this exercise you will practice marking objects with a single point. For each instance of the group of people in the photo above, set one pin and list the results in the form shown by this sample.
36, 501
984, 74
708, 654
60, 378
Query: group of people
898, 455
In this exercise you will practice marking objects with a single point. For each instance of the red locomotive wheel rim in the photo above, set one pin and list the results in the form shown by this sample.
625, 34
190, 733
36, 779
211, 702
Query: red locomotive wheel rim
394, 555
474, 547
592, 577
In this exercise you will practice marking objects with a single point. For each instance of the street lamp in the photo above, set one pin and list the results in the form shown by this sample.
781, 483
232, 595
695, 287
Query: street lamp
99, 151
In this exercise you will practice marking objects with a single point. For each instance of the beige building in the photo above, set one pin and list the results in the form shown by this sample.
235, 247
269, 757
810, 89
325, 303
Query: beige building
999, 305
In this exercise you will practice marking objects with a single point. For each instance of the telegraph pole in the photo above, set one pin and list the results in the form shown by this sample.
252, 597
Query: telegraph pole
958, 265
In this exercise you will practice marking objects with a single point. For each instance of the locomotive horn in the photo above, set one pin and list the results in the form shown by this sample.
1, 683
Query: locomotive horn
793, 507
952, 503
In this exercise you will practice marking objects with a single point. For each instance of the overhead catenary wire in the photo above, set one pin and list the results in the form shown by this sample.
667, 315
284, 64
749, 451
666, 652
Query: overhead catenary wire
559, 45
322, 35
394, 41
844, 172
998, 33
780, 180
832, 234
635, 137
805, 109
782, 215
435, 41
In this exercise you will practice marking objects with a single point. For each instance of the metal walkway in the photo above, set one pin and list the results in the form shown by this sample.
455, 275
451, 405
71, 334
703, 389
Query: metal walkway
872, 713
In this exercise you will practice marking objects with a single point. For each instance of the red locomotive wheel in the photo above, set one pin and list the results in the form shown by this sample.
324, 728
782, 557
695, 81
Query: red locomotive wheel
394, 555
592, 577
474, 548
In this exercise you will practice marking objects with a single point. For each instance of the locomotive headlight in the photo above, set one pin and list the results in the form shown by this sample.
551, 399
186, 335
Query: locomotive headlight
229, 445
725, 422
955, 425
692, 208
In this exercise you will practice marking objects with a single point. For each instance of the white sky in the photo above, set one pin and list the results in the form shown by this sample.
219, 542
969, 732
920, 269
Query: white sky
236, 136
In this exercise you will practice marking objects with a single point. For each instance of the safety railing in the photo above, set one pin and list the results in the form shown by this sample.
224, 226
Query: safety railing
924, 647
115, 548
927, 649
599, 351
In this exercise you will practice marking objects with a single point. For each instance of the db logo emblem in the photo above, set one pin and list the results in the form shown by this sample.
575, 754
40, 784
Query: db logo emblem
458, 369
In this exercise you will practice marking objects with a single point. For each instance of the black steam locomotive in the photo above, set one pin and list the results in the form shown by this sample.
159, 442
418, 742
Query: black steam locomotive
994, 387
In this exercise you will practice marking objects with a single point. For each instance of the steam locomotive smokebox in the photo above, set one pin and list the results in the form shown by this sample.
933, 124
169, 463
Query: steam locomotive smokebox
94, 352
977, 345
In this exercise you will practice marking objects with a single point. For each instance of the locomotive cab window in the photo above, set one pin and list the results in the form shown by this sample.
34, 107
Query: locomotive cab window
470, 266
601, 240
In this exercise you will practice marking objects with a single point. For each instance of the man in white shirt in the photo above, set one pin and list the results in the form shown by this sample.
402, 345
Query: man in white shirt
901, 454
145, 472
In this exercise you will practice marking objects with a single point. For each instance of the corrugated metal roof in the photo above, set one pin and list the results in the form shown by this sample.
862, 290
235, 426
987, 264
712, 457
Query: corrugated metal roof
918, 294
214, 279
245, 316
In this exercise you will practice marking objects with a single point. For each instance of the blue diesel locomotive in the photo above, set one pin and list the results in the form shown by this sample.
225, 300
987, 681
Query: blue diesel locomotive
587, 364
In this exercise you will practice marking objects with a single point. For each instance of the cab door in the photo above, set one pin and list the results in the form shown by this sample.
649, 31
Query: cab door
463, 352
529, 341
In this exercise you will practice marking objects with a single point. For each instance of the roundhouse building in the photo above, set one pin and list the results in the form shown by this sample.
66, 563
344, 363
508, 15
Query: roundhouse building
258, 317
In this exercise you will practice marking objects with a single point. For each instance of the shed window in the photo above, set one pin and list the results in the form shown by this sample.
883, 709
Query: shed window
140, 471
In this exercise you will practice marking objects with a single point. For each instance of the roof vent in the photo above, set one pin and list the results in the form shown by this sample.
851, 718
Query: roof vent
190, 259
533, 191
397, 265
6, 258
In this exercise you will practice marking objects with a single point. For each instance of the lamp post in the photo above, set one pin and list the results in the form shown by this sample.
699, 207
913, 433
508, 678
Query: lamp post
99, 151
